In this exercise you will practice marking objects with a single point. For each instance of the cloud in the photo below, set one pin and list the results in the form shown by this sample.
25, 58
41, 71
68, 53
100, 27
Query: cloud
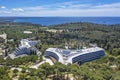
113, 5
73, 8
18, 9
73, 4
2, 7
5, 12
35, 8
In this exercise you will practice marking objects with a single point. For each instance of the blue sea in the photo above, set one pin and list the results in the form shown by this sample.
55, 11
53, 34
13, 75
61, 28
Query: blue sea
61, 20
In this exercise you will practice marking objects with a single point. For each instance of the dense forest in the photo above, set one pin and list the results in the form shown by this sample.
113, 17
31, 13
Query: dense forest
75, 35
106, 36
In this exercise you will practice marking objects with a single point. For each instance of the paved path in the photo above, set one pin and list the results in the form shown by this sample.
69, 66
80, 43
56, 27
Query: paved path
19, 69
38, 64
49, 61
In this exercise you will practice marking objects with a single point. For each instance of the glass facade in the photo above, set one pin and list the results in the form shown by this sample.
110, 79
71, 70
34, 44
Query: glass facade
88, 57
51, 54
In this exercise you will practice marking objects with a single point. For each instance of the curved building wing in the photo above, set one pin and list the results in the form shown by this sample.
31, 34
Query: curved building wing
66, 56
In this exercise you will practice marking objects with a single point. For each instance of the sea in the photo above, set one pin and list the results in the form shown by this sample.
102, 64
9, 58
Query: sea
47, 21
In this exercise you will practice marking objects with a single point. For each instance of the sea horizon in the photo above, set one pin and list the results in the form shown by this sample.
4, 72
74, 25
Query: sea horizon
62, 20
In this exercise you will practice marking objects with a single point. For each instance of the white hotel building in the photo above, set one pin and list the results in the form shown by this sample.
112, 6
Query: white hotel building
66, 56
26, 47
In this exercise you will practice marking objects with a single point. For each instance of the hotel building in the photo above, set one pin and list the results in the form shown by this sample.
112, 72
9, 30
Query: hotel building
25, 48
66, 56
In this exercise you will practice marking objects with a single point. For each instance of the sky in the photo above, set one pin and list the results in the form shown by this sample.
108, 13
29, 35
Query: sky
67, 8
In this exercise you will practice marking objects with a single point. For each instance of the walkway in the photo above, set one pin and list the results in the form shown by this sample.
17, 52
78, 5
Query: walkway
38, 64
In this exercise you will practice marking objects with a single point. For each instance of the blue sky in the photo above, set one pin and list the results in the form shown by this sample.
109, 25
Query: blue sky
60, 8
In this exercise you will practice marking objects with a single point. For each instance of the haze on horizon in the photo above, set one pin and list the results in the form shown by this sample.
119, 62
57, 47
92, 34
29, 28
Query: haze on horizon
82, 8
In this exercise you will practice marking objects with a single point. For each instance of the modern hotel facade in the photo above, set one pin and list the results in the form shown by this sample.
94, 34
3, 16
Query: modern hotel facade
26, 47
66, 56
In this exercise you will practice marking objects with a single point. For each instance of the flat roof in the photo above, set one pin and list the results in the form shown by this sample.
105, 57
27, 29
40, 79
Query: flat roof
68, 52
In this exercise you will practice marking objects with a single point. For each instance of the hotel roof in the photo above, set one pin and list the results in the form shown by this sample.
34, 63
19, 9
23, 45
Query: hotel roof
68, 52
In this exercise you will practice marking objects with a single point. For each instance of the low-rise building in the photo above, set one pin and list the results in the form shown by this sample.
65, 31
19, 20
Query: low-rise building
26, 47
4, 36
27, 32
54, 30
2, 51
